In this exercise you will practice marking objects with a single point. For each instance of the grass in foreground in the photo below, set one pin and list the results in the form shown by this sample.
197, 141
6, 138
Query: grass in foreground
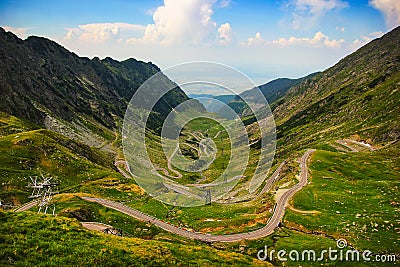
30, 239
357, 197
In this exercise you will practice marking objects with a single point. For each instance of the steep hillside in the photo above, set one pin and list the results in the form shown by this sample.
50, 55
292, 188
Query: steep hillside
55, 98
209, 102
61, 114
277, 88
58, 241
44, 83
359, 95
272, 91
26, 150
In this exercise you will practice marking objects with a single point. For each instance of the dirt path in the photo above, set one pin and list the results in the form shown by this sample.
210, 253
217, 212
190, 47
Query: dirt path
348, 143
96, 226
305, 211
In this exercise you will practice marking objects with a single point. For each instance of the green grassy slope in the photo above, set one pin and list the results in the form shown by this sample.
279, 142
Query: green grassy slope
356, 195
351, 196
81, 98
359, 95
38, 240
28, 150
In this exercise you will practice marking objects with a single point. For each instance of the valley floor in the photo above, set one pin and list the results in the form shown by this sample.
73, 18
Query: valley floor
364, 212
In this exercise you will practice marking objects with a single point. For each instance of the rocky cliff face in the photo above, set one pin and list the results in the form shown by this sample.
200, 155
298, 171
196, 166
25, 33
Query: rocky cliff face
44, 83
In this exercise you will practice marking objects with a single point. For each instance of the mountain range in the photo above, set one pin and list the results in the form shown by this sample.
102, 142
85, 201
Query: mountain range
274, 89
84, 99
209, 102
79, 97
61, 117
358, 96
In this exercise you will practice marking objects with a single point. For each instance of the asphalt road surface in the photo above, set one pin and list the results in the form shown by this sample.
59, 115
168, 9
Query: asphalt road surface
259, 233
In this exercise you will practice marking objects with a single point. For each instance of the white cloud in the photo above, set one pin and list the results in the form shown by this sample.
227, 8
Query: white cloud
185, 22
341, 29
224, 3
255, 41
364, 39
390, 9
71, 33
180, 21
318, 7
20, 32
225, 34
306, 13
175, 22
103, 32
319, 40
151, 11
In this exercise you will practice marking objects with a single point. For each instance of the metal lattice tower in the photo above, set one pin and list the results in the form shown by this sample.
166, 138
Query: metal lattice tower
43, 190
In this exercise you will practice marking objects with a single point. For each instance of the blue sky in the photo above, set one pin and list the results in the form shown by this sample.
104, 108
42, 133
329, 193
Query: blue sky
263, 39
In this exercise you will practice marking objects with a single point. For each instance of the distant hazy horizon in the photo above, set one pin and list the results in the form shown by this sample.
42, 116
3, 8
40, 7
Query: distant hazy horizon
263, 39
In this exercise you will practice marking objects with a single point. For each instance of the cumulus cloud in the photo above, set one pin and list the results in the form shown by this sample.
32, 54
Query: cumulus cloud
319, 40
255, 41
175, 22
364, 39
225, 34
178, 21
390, 9
103, 32
306, 13
20, 32
185, 22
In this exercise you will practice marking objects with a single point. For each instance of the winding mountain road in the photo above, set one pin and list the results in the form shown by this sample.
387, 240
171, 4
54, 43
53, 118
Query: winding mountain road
259, 233
262, 232
169, 165
268, 184
122, 171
